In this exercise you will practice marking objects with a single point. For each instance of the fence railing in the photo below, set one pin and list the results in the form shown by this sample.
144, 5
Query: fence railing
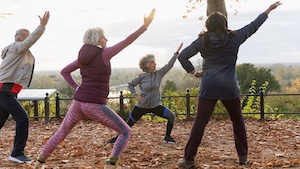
41, 108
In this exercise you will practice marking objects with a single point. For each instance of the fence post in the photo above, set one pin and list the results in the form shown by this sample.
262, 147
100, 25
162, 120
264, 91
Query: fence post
188, 104
122, 104
36, 110
47, 108
262, 104
57, 105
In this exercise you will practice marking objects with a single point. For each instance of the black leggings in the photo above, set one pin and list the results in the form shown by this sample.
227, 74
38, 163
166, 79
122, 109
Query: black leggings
160, 111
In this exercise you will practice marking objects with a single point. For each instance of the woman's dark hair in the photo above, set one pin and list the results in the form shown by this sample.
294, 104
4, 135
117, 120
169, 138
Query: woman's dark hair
217, 23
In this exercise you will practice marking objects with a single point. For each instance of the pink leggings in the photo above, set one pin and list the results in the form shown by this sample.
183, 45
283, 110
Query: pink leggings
100, 113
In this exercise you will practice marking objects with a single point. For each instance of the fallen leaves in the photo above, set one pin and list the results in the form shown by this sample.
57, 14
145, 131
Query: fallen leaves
272, 144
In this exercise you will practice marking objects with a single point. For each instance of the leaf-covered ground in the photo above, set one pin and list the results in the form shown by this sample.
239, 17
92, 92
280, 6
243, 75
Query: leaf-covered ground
272, 144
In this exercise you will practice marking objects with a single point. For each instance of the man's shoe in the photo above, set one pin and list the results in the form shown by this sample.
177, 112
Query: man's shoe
182, 163
20, 159
169, 139
113, 140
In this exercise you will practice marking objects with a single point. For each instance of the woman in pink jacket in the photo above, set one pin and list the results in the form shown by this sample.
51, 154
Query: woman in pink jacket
90, 97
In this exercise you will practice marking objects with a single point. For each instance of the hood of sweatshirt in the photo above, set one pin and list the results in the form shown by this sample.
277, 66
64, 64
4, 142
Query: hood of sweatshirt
4, 51
216, 41
87, 53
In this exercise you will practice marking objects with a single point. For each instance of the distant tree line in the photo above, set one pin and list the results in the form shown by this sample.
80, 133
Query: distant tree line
280, 78
277, 78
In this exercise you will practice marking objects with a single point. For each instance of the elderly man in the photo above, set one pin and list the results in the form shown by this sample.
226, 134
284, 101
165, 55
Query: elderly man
16, 72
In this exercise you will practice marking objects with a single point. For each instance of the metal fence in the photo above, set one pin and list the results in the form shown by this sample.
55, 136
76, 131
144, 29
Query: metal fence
56, 107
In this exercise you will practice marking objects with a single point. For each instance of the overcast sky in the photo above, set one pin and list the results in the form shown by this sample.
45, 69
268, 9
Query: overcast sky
275, 42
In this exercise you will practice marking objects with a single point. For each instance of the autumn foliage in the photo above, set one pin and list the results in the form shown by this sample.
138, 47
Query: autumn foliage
272, 144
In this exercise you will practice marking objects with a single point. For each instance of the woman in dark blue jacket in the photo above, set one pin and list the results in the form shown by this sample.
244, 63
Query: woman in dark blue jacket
219, 48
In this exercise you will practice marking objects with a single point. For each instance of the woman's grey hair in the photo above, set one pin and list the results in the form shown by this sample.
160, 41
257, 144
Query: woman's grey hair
144, 61
93, 35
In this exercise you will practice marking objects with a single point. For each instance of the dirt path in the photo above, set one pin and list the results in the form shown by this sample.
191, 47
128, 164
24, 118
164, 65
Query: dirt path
272, 144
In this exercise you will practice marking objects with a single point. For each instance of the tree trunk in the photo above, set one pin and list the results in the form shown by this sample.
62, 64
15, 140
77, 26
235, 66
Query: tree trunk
216, 6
